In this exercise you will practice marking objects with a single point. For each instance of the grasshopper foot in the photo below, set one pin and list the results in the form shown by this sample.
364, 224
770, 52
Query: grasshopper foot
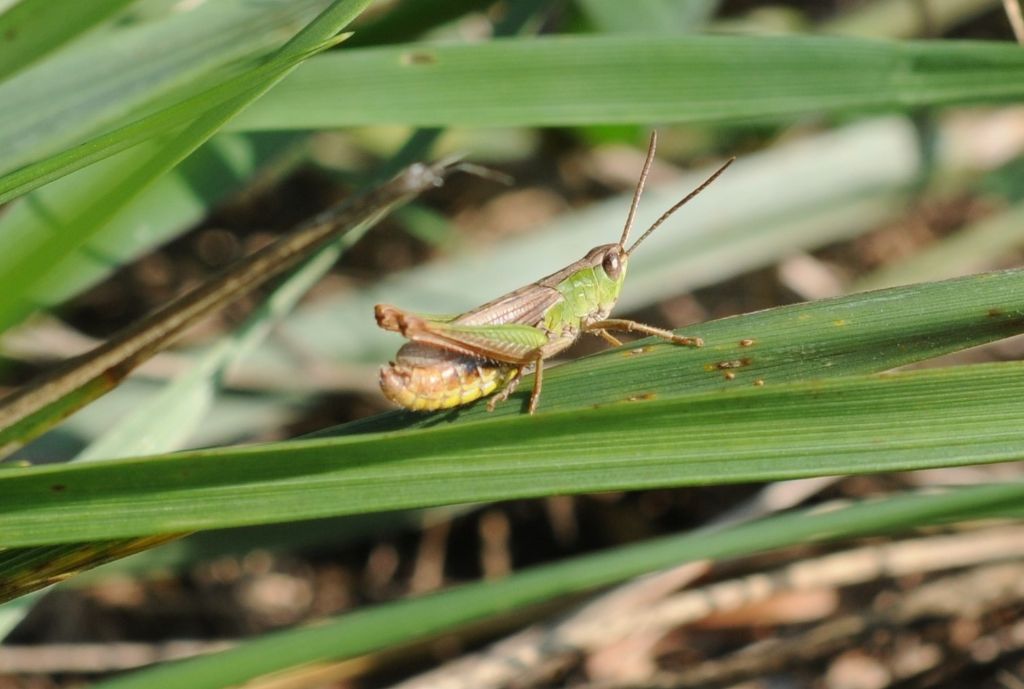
505, 392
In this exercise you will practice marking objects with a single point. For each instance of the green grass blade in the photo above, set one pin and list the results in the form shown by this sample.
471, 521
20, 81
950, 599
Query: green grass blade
856, 334
34, 28
627, 79
164, 121
39, 405
99, 83
169, 207
22, 272
698, 428
394, 624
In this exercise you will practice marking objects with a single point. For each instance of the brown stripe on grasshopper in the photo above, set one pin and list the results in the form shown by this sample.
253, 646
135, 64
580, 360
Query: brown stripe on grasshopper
454, 360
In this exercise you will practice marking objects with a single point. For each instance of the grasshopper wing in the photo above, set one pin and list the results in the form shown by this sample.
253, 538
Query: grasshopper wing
512, 343
525, 306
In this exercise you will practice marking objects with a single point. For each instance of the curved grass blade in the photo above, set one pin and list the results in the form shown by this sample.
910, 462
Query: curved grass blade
102, 81
22, 272
161, 122
28, 412
403, 622
34, 28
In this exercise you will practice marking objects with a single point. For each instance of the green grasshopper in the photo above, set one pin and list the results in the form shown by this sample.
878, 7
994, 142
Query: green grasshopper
454, 360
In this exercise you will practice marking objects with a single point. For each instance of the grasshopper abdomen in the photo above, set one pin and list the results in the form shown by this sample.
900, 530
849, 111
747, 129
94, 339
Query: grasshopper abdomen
427, 378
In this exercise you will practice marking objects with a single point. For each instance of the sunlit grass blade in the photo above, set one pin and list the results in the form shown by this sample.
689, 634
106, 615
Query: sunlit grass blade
39, 405
607, 79
164, 121
398, 623
642, 438
103, 80
34, 28
22, 272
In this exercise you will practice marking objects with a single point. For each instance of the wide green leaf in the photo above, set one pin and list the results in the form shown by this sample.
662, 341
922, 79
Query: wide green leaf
860, 333
604, 79
755, 404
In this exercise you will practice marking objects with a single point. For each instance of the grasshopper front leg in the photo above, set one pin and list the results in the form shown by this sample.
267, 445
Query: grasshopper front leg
606, 336
628, 326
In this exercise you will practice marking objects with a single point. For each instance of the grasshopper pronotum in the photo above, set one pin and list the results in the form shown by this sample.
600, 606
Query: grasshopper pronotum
455, 360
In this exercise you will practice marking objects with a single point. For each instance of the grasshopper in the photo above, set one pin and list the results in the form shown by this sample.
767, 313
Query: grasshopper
454, 360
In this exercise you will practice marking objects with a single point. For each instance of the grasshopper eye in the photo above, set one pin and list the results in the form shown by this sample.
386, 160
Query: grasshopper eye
611, 265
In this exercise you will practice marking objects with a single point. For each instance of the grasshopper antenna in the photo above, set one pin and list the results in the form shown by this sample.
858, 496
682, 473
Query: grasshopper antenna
651, 147
667, 214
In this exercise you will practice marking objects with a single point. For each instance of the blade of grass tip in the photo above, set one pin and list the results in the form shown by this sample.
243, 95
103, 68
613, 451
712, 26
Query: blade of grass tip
394, 624
24, 570
25, 271
164, 421
34, 28
38, 406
